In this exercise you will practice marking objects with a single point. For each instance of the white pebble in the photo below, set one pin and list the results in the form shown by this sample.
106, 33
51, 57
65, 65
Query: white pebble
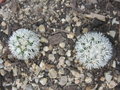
62, 44
43, 81
46, 48
88, 80
42, 28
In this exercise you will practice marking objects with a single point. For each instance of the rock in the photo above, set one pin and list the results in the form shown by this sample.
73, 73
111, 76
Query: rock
1, 61
75, 19
62, 44
112, 84
3, 24
44, 40
29, 87
114, 64
102, 79
43, 81
35, 68
82, 7
51, 57
75, 73
88, 80
61, 61
46, 48
63, 20
42, 28
68, 18
67, 62
15, 71
78, 24
14, 88
70, 35
112, 33
68, 28
36, 80
77, 81
8, 66
68, 53
85, 30
108, 77
114, 21
42, 65
63, 80
1, 66
2, 72
61, 71
52, 73
1, 47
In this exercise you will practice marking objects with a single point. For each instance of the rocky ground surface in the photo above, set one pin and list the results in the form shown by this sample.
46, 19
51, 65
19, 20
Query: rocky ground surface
58, 23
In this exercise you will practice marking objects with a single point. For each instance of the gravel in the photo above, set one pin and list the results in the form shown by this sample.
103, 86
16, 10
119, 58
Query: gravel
58, 23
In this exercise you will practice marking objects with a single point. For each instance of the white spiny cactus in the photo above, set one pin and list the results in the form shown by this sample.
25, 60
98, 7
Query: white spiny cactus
94, 50
24, 44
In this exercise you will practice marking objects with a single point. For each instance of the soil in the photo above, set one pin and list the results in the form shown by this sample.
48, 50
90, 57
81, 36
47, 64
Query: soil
60, 18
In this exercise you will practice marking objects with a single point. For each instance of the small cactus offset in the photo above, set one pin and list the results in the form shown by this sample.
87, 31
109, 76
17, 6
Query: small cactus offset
93, 49
24, 44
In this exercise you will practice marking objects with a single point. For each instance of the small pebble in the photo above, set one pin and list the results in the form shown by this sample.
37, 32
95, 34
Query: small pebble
112, 84
2, 72
102, 79
82, 7
14, 88
61, 61
114, 21
44, 40
112, 33
68, 28
42, 28
78, 24
77, 81
3, 24
68, 18
108, 77
42, 65
68, 53
46, 48
62, 44
63, 20
61, 71
88, 80
114, 64
85, 30
29, 87
75, 73
67, 62
1, 61
52, 73
75, 19
51, 57
63, 80
1, 47
70, 35
43, 81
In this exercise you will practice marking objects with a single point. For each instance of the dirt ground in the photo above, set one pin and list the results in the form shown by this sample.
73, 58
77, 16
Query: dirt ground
58, 23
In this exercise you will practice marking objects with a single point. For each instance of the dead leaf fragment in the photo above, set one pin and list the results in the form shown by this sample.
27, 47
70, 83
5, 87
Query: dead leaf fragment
56, 39
94, 15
